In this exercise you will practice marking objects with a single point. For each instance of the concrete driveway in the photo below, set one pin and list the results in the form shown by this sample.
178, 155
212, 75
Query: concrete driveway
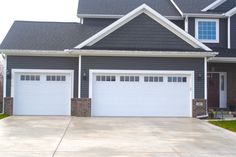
113, 137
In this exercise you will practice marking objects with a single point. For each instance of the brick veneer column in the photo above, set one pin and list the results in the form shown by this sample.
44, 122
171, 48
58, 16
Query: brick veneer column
81, 107
8, 106
199, 107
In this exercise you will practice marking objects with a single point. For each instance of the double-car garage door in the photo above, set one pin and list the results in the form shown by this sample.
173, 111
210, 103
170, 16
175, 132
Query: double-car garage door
141, 94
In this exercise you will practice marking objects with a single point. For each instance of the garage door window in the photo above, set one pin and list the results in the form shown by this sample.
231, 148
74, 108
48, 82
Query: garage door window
153, 79
55, 78
129, 78
177, 79
106, 78
29, 77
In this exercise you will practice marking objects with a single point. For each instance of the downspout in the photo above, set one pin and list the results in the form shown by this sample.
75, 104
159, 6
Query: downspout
4, 81
205, 87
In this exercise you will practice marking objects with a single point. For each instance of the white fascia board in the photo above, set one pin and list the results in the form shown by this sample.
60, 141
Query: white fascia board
35, 53
204, 15
76, 53
186, 54
214, 5
155, 16
177, 7
230, 12
222, 60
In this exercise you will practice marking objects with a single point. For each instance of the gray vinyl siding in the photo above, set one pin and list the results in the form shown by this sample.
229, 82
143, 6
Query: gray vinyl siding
179, 23
143, 63
142, 33
223, 33
233, 31
62, 63
106, 22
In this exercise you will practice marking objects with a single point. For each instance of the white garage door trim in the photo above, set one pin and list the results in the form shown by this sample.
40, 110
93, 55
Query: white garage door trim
190, 73
43, 71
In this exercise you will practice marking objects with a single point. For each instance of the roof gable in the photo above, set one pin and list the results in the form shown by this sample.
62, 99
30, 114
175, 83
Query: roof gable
144, 9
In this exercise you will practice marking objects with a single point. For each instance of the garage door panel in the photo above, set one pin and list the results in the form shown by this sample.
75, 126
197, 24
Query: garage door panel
125, 98
43, 96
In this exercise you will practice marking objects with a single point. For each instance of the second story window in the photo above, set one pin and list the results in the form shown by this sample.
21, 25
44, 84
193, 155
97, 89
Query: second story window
207, 30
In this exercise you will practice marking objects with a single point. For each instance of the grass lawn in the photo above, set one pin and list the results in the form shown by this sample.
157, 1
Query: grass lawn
3, 116
230, 125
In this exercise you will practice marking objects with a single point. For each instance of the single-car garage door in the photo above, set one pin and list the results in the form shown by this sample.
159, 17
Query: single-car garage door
132, 94
40, 93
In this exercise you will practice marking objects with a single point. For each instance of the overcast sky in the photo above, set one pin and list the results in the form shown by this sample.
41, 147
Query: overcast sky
35, 10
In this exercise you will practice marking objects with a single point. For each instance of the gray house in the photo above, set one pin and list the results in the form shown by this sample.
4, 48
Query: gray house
170, 58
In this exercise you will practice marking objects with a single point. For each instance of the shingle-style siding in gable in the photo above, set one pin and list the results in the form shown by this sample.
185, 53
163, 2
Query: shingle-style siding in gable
62, 63
226, 6
142, 33
179, 23
144, 63
222, 35
106, 22
233, 31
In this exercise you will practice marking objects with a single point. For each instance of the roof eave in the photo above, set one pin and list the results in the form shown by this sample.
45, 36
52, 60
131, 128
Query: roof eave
130, 53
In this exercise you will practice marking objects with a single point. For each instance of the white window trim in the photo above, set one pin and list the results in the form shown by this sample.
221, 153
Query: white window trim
217, 30
147, 72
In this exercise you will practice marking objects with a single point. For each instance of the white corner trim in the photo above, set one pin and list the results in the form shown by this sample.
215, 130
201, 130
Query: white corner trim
231, 12
217, 30
79, 76
214, 5
177, 7
5, 77
147, 72
155, 16
229, 31
205, 78
186, 24
14, 71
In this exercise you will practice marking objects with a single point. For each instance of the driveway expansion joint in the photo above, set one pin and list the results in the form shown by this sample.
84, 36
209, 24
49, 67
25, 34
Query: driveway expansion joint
63, 135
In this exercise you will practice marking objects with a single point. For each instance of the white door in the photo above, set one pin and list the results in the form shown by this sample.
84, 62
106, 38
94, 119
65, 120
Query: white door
42, 93
141, 95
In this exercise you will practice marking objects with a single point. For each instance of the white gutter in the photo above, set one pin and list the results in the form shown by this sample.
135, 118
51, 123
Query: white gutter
222, 60
204, 15
76, 53
141, 53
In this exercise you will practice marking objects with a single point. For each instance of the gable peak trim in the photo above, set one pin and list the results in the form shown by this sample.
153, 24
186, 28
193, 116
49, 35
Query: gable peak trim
231, 12
152, 14
213, 5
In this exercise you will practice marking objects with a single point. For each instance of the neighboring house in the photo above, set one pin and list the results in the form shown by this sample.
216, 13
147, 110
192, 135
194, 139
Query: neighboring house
130, 58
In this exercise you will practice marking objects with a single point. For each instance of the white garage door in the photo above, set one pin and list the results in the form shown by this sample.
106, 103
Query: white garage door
166, 95
42, 93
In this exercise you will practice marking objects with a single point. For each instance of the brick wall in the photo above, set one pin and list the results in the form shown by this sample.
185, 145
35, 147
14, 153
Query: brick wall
8, 106
199, 107
81, 107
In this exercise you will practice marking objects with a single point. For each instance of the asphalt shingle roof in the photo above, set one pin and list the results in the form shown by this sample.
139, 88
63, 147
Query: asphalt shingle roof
122, 7
47, 35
